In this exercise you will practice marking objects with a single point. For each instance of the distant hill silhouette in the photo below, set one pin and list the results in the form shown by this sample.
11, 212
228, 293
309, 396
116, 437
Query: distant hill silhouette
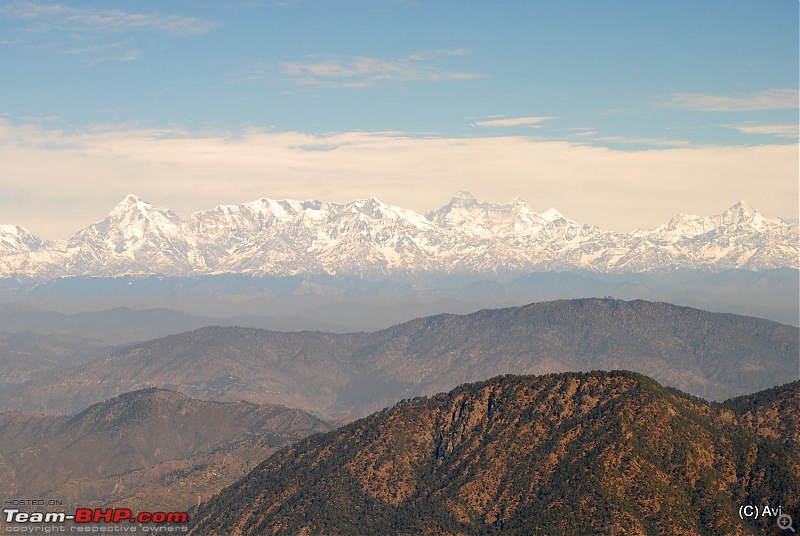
713, 355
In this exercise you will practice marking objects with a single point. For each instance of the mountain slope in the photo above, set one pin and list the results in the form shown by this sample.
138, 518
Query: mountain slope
145, 449
350, 375
15, 239
773, 413
135, 237
368, 238
591, 453
25, 355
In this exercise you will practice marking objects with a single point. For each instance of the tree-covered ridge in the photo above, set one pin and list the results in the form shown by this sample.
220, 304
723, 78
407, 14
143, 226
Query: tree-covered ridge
147, 449
571, 453
341, 376
773, 413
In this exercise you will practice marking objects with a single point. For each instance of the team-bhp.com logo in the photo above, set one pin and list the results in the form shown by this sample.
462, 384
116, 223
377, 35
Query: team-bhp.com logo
96, 515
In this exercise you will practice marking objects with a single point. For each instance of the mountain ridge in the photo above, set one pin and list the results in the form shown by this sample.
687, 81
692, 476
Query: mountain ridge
368, 238
571, 453
148, 449
714, 355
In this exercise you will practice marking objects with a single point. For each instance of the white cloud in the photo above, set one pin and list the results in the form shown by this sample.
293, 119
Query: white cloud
513, 122
56, 182
579, 132
652, 142
364, 71
95, 48
438, 54
43, 119
789, 130
770, 99
70, 18
87, 33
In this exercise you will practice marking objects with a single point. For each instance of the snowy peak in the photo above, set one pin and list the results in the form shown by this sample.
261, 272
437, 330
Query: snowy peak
463, 199
371, 207
461, 202
740, 212
680, 226
374, 210
134, 207
136, 237
249, 217
130, 200
131, 221
744, 216
514, 220
16, 239
551, 215
265, 214
742, 207
367, 238
739, 218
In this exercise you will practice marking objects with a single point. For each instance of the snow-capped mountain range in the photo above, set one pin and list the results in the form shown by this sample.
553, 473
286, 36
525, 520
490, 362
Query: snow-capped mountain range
369, 238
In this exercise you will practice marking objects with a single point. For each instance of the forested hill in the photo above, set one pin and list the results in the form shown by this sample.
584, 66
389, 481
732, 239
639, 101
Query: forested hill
571, 453
712, 355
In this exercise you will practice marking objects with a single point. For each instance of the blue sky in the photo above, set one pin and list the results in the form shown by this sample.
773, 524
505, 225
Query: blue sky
620, 114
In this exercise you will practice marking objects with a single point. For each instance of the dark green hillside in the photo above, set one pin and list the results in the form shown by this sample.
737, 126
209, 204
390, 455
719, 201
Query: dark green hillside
572, 453
774, 413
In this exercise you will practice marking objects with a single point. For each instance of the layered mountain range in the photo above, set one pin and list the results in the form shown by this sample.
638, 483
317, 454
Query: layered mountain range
350, 375
368, 238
